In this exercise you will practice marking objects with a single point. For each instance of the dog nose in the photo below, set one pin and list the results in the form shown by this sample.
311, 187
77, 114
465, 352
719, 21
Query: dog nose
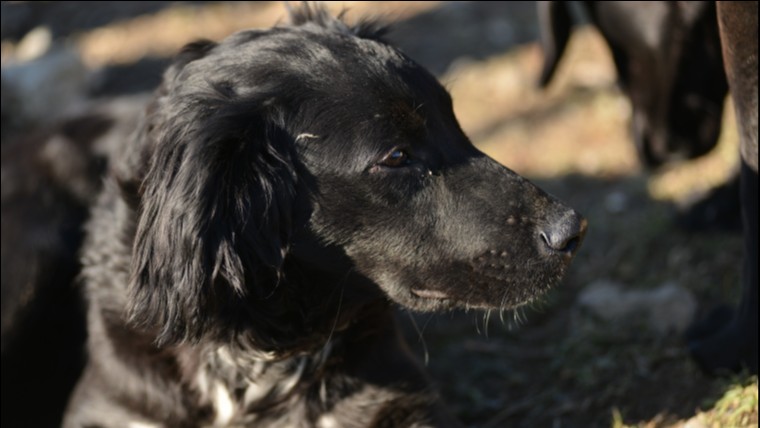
564, 235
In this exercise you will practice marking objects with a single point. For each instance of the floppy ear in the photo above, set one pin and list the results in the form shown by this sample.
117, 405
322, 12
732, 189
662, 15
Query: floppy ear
555, 24
214, 215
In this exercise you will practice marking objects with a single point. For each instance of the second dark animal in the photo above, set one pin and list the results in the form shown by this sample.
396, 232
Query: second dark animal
672, 67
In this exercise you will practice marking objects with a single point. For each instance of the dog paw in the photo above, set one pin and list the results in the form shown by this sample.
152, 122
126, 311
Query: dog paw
727, 350
718, 318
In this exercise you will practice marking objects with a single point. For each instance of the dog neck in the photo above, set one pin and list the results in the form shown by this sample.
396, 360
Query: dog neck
239, 385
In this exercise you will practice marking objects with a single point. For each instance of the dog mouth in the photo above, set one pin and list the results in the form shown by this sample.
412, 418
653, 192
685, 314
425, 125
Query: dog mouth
430, 294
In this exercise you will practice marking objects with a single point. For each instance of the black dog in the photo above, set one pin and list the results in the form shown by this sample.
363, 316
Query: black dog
670, 64
285, 187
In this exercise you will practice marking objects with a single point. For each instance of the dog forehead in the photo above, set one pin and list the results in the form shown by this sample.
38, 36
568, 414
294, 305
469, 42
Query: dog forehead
359, 79
310, 61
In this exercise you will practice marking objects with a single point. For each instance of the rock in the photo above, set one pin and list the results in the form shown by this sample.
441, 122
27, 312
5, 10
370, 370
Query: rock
45, 89
616, 202
668, 308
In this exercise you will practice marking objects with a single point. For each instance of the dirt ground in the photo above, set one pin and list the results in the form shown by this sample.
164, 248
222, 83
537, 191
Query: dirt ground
550, 364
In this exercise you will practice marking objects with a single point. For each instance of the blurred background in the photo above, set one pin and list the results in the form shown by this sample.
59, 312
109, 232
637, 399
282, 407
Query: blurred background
605, 348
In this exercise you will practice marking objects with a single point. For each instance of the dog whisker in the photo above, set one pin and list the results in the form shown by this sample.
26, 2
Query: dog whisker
337, 317
420, 337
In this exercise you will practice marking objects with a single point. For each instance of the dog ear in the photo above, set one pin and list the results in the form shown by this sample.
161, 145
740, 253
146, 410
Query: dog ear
214, 215
555, 24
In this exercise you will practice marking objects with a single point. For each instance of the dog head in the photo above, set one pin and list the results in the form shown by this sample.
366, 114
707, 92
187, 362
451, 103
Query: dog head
669, 64
280, 166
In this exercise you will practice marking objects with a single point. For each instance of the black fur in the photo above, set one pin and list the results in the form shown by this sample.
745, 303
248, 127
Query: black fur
285, 187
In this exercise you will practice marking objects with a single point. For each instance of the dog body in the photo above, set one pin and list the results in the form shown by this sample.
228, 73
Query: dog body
669, 64
675, 64
285, 188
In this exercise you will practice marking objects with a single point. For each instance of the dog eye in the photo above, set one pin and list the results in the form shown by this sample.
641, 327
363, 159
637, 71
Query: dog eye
396, 158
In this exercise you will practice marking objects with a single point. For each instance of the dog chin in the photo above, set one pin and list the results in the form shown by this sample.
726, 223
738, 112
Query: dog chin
435, 301
429, 300
420, 299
